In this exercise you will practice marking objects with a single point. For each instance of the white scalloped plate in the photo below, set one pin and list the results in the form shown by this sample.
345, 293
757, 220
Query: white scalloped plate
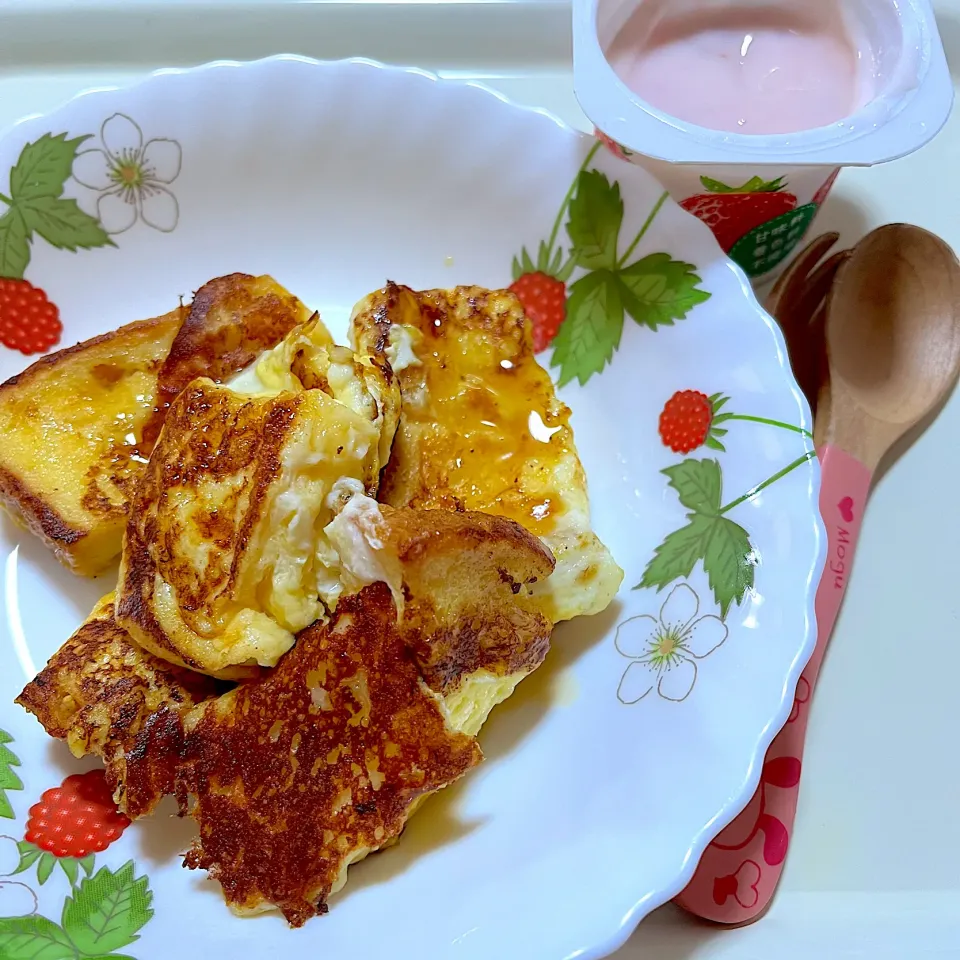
594, 803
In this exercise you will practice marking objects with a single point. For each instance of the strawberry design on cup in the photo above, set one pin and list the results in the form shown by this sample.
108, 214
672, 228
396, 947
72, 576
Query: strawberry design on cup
617, 149
759, 222
732, 212
821, 195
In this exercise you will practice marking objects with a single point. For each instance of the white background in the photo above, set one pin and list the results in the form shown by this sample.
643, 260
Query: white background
874, 868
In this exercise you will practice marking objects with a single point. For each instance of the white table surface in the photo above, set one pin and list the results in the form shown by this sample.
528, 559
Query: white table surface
874, 869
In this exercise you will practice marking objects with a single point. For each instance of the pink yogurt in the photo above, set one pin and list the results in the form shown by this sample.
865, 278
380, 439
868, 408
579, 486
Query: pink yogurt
745, 69
745, 110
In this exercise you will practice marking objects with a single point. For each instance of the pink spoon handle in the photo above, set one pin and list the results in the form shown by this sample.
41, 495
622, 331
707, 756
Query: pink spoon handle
739, 871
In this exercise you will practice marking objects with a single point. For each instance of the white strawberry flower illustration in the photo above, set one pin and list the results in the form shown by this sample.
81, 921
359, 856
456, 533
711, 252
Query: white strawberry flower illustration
664, 650
131, 176
9, 857
16, 899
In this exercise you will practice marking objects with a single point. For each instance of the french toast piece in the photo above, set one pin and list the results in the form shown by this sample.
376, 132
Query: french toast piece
78, 425
472, 647
224, 557
231, 322
67, 466
481, 428
99, 688
297, 774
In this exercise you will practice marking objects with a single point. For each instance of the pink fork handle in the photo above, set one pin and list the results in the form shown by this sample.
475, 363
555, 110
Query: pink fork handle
739, 871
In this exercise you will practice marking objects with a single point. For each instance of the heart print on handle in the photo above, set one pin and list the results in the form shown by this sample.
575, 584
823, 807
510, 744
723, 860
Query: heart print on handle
739, 872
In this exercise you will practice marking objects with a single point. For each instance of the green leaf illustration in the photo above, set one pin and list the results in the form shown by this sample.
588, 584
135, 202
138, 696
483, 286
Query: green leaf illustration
729, 563
45, 867
724, 549
110, 956
63, 224
14, 245
676, 557
34, 938
596, 212
43, 167
556, 262
87, 863
70, 866
8, 776
721, 545
29, 854
592, 328
565, 271
543, 257
753, 185
106, 910
698, 484
658, 290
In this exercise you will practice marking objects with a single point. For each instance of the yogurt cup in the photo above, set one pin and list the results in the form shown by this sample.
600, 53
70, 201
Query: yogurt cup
760, 193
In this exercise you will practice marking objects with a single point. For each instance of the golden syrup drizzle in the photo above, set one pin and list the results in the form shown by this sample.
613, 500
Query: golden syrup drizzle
498, 432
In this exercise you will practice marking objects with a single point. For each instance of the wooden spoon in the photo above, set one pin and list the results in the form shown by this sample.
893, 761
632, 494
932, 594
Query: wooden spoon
893, 340
893, 350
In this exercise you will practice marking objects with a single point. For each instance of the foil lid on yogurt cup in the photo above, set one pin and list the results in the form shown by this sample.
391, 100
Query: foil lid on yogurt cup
911, 98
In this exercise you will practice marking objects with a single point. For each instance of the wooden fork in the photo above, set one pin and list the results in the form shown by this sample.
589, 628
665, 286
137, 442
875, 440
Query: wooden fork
798, 303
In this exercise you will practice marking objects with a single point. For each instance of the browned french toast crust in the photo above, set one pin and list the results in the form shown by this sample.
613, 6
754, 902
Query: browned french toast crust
282, 797
99, 689
38, 517
209, 343
229, 440
57, 358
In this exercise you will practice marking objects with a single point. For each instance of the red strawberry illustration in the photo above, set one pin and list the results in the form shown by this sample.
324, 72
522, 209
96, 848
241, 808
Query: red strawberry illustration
29, 322
541, 288
77, 818
544, 300
732, 212
823, 192
689, 420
